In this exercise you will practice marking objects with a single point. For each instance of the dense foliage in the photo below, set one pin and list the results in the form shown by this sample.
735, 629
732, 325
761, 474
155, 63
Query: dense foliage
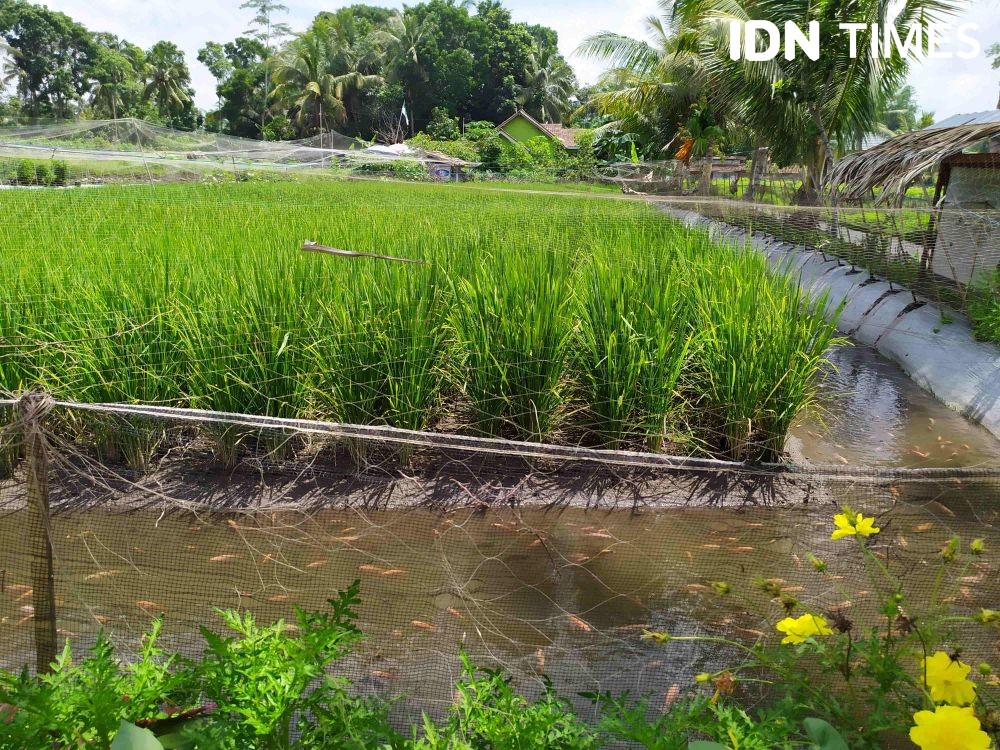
368, 71
58, 68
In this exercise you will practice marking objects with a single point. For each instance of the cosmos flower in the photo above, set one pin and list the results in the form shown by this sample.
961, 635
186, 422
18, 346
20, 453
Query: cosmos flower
858, 526
797, 629
948, 728
948, 680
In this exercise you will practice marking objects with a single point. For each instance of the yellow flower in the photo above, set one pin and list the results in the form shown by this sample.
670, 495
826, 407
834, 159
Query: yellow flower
797, 629
846, 526
948, 680
948, 728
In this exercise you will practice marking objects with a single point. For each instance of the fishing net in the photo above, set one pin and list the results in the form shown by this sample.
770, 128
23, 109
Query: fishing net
548, 562
128, 150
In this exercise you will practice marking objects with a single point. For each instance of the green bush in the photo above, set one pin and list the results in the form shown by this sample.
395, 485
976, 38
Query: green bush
43, 173
984, 308
459, 149
25, 172
60, 173
401, 169
442, 126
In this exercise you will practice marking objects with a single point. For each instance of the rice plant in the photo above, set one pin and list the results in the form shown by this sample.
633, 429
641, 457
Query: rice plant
533, 317
513, 322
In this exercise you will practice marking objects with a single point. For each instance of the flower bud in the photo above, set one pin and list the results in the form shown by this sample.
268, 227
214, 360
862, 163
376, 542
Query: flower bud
977, 546
703, 677
818, 565
655, 636
985, 669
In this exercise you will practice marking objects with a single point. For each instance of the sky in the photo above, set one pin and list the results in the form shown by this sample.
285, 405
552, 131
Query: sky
944, 87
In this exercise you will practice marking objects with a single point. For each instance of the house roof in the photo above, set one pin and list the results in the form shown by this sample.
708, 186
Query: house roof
898, 162
566, 136
974, 118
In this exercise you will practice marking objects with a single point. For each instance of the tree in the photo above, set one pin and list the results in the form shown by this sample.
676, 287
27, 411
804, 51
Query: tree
647, 94
405, 35
168, 85
900, 113
310, 77
239, 69
52, 79
549, 83
808, 109
264, 30
117, 73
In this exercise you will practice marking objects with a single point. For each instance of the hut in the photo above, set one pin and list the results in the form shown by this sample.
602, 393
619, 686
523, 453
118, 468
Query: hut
960, 243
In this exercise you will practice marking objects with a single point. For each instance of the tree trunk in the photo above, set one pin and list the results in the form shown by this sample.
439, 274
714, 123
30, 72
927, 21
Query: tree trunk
758, 168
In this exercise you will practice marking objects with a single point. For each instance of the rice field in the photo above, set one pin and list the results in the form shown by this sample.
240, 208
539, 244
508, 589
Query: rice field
533, 317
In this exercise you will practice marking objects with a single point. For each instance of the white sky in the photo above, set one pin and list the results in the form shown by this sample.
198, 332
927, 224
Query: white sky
945, 87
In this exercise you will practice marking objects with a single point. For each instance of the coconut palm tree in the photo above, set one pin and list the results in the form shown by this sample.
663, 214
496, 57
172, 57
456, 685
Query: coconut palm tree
806, 110
651, 84
549, 84
10, 71
167, 78
314, 78
403, 36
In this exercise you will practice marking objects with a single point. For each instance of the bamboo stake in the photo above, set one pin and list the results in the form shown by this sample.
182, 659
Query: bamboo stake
32, 409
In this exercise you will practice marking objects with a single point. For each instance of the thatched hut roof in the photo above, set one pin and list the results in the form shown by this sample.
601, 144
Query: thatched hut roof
897, 163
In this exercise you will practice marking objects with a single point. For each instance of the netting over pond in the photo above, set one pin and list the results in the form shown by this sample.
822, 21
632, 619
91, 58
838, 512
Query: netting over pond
547, 561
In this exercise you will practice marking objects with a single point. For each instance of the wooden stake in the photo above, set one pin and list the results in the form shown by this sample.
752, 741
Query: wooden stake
32, 411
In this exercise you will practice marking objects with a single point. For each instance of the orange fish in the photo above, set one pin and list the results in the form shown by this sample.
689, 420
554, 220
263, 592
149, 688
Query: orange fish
422, 625
579, 624
317, 563
148, 605
223, 558
671, 695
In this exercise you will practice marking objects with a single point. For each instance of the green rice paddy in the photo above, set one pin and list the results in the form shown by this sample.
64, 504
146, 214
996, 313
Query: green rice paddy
534, 317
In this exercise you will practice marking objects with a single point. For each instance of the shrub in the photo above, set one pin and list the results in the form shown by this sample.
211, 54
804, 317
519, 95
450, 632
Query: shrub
25, 173
44, 174
442, 127
60, 173
460, 148
479, 130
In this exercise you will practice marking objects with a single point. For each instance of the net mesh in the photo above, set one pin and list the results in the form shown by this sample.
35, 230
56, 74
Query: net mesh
549, 566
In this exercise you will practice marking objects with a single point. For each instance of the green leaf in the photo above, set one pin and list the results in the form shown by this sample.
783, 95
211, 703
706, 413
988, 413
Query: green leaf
824, 735
705, 745
131, 737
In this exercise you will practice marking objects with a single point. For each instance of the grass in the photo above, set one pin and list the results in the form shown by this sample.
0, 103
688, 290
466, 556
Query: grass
534, 317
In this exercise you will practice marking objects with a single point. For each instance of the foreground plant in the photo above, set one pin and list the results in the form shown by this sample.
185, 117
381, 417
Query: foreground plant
877, 681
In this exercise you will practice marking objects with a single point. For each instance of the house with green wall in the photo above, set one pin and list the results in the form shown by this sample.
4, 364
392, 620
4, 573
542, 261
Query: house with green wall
521, 127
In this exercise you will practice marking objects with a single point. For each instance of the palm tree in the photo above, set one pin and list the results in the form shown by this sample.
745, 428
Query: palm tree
308, 79
651, 84
167, 78
549, 83
807, 109
10, 71
403, 37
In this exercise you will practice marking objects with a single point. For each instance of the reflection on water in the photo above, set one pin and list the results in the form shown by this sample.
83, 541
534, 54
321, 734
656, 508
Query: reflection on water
872, 414
562, 593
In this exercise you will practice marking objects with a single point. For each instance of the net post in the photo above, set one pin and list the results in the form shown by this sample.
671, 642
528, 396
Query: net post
32, 408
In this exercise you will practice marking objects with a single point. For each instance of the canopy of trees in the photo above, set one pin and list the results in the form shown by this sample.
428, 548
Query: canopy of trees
375, 72
57, 69
371, 71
